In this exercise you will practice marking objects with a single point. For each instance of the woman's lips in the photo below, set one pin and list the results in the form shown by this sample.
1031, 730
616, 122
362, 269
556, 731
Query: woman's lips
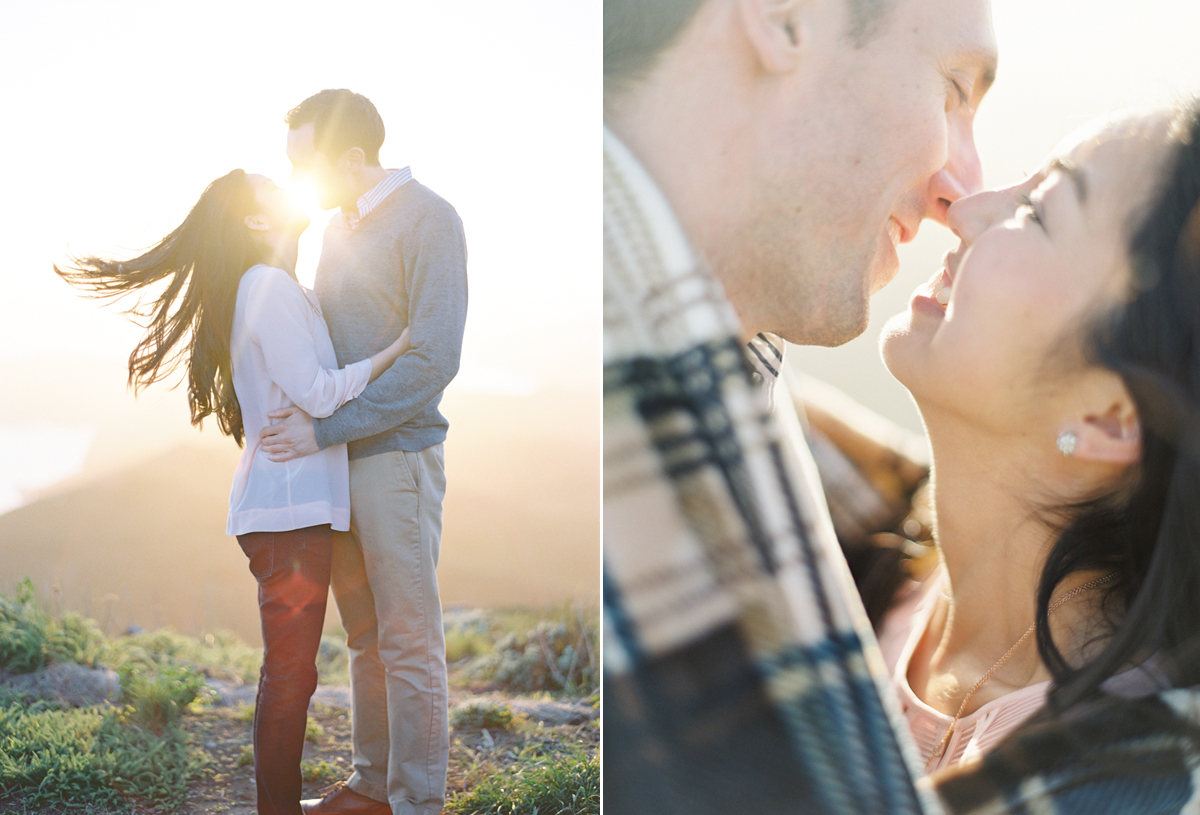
933, 297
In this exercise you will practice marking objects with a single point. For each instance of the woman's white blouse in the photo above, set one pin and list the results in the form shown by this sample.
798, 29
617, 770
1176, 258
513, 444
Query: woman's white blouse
282, 356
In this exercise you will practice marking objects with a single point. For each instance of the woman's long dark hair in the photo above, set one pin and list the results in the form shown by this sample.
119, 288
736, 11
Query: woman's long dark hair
1147, 531
201, 261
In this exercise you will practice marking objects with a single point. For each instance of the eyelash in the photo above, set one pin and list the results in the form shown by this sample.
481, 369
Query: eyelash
963, 98
1025, 202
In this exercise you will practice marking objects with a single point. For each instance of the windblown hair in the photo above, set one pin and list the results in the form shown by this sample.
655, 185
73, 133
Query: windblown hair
1147, 529
341, 119
636, 32
201, 262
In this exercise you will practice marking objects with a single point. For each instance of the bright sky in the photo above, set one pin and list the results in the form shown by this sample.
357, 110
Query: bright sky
118, 114
1062, 63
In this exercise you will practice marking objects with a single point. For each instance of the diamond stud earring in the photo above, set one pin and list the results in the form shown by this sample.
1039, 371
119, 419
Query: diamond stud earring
1066, 443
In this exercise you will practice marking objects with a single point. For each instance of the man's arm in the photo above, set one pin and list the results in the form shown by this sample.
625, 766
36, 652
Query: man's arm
435, 269
435, 273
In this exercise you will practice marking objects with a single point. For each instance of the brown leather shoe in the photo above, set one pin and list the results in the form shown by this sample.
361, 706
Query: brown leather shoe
345, 801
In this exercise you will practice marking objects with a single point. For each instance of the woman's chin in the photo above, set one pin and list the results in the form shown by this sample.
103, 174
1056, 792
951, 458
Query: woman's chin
904, 345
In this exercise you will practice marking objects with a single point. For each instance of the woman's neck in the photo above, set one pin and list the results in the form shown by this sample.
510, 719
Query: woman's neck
282, 253
989, 538
988, 494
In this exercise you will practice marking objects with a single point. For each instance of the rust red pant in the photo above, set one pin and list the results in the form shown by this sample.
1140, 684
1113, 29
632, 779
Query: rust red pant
292, 570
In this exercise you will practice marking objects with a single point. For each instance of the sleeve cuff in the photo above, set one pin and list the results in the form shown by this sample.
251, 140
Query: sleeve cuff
359, 375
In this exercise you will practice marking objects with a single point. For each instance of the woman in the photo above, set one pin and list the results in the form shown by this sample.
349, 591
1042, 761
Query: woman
253, 340
1054, 362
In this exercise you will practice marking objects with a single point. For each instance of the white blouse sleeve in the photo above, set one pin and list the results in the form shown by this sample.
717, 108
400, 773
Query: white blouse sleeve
279, 320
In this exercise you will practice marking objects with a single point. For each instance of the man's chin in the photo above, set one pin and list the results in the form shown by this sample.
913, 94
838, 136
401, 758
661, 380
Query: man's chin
884, 271
828, 335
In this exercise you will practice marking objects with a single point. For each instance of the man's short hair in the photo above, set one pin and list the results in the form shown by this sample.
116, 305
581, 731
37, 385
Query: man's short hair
868, 19
637, 31
341, 119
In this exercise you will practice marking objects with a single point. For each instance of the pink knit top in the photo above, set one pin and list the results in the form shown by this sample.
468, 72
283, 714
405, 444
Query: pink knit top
979, 731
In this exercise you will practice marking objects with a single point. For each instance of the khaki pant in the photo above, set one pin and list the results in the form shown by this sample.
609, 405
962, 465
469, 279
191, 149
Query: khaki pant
386, 591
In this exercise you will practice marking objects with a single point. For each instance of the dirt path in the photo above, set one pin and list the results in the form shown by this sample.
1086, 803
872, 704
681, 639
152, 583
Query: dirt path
225, 734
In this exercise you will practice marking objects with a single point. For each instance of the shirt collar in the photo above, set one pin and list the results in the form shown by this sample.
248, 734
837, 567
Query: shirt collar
372, 197
765, 352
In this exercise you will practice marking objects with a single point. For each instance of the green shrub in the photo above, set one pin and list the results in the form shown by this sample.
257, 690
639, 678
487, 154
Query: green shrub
320, 771
73, 638
333, 661
469, 633
566, 785
140, 763
246, 756
313, 730
219, 654
158, 698
556, 656
85, 756
22, 631
480, 714
30, 637
466, 644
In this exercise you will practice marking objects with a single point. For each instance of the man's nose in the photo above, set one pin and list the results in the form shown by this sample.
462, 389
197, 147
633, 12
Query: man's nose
962, 174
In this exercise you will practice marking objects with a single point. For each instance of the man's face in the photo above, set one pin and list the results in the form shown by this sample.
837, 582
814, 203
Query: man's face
850, 154
313, 168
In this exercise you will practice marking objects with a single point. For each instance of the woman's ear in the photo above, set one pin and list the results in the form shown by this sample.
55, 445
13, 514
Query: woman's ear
1112, 437
258, 223
777, 30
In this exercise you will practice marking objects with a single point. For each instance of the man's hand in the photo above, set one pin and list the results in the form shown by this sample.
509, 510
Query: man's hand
291, 438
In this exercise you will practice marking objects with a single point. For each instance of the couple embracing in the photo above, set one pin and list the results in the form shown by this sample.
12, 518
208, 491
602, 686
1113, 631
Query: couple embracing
763, 159
334, 394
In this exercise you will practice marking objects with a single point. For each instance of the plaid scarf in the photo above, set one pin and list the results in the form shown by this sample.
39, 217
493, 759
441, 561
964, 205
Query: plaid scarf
740, 671
1111, 756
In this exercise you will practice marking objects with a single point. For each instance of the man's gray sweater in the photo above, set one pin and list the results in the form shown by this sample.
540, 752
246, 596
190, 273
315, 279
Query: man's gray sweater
404, 265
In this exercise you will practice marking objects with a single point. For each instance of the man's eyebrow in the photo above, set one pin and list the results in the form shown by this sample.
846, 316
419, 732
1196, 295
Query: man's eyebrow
988, 78
1072, 172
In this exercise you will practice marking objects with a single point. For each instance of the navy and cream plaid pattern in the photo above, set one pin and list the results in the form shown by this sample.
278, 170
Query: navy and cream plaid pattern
740, 671
1111, 756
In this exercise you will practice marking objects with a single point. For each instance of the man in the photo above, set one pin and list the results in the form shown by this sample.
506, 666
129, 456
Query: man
763, 158
393, 257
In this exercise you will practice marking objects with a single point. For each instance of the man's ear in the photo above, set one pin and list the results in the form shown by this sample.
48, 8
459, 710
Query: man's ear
778, 30
1112, 437
258, 223
355, 158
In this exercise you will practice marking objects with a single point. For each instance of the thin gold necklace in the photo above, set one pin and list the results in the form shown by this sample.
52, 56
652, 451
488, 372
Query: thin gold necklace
941, 745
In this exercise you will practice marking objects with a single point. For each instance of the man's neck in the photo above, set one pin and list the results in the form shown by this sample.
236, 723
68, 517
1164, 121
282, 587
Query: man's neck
367, 179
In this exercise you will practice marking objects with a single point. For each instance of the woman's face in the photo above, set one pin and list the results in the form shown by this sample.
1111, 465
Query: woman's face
277, 206
995, 336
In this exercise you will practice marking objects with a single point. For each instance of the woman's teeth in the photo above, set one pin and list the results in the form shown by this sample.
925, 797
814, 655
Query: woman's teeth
942, 295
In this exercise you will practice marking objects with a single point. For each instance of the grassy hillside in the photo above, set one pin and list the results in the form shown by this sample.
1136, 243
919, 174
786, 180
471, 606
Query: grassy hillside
523, 718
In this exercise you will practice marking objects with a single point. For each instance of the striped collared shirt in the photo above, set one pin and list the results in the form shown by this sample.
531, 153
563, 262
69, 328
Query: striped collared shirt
765, 352
372, 197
